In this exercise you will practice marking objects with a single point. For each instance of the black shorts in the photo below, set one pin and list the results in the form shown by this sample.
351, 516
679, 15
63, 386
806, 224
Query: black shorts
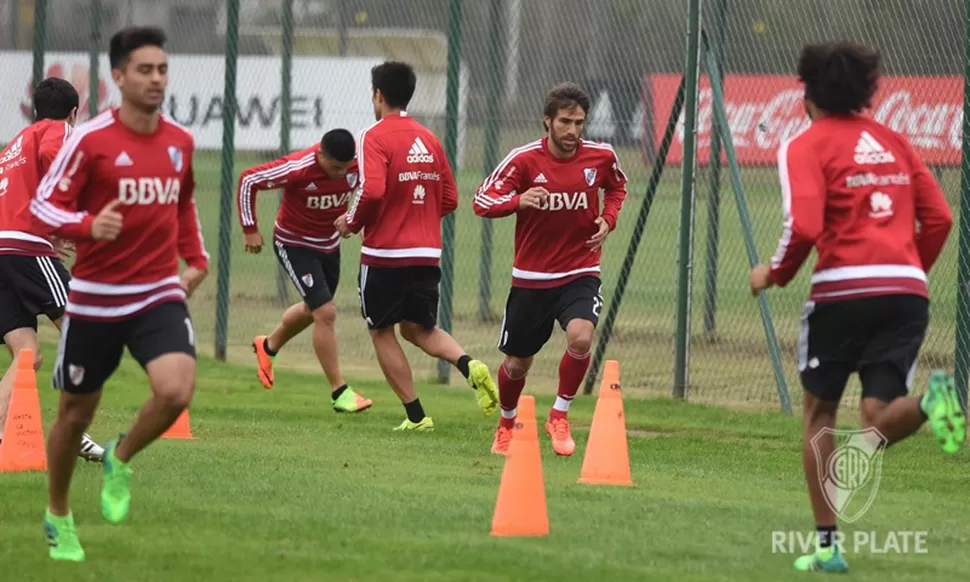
531, 313
315, 273
390, 295
31, 286
878, 337
90, 351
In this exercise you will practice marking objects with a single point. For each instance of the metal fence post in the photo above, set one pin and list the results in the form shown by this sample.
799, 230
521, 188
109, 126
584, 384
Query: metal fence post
451, 150
687, 194
229, 108
286, 123
962, 356
40, 40
492, 129
714, 180
94, 60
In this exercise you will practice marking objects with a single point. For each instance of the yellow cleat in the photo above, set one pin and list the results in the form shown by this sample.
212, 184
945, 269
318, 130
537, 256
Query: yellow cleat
481, 380
425, 425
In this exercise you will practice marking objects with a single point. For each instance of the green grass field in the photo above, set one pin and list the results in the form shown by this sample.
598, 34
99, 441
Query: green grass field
278, 487
730, 365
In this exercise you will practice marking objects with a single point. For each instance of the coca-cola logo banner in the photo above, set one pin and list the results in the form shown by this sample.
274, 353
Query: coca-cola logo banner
765, 110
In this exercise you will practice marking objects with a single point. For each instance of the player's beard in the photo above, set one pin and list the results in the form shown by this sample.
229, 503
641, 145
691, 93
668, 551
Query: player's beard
561, 145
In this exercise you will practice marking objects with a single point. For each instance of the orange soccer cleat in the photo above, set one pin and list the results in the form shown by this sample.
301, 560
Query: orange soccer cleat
264, 362
503, 438
557, 427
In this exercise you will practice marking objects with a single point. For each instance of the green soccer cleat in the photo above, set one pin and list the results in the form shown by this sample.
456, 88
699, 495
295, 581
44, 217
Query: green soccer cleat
425, 425
481, 380
62, 537
827, 560
350, 401
942, 408
115, 492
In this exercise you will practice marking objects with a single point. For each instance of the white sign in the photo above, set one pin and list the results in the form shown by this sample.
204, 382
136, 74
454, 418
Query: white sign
326, 93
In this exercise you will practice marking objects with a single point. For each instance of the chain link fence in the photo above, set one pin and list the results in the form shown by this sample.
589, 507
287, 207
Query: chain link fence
630, 56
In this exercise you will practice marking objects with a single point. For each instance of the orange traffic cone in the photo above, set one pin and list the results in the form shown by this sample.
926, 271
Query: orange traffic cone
607, 460
520, 509
180, 429
23, 433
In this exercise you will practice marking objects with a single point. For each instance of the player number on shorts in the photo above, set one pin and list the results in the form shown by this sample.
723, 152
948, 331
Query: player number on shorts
597, 305
188, 326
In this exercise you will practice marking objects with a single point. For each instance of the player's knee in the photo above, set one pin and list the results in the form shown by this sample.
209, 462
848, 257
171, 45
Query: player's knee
24, 339
173, 385
176, 398
77, 414
871, 410
580, 344
38, 360
383, 336
517, 367
820, 411
579, 336
326, 314
412, 332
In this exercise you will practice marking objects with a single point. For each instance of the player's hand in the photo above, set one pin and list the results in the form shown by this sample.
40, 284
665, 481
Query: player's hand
191, 278
760, 279
107, 224
600, 237
63, 247
533, 197
254, 242
342, 227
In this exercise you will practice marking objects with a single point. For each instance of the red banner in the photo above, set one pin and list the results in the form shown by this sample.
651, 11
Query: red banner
763, 111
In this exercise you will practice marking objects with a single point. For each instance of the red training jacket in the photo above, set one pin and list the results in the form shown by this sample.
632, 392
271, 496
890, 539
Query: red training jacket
152, 175
406, 188
23, 163
550, 242
312, 200
854, 190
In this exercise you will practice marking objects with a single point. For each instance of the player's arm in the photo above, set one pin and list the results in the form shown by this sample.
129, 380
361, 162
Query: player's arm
614, 190
56, 199
498, 195
256, 179
191, 244
372, 173
932, 213
803, 194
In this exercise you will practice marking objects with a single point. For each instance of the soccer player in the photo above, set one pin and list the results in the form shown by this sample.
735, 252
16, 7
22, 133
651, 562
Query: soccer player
552, 186
122, 188
317, 182
855, 190
406, 188
33, 279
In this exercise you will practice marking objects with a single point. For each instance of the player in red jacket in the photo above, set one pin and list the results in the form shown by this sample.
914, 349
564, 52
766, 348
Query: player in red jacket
552, 186
406, 188
122, 188
854, 190
33, 279
317, 182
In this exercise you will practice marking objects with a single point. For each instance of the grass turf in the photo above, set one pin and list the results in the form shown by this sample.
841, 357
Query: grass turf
278, 487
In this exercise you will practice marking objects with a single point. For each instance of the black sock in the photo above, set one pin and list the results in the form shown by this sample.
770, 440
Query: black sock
826, 536
268, 351
414, 410
336, 393
921, 410
463, 365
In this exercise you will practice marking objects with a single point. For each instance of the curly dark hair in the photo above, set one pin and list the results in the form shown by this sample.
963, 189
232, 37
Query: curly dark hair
839, 77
